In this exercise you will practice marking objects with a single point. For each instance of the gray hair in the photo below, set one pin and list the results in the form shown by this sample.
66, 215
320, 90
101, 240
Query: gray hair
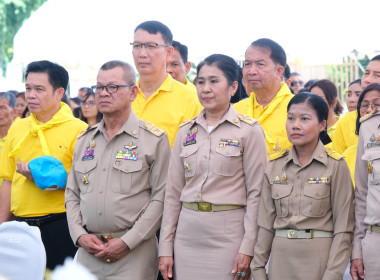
129, 74
12, 102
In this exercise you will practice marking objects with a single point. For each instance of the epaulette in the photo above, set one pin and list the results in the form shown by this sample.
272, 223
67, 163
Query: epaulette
246, 119
188, 121
333, 154
367, 116
153, 129
83, 132
278, 155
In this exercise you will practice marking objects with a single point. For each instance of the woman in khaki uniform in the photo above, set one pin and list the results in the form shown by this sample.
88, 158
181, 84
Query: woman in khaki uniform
306, 209
214, 184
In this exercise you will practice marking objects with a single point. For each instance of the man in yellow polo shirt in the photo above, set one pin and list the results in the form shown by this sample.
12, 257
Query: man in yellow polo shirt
161, 99
51, 130
8, 113
264, 64
178, 66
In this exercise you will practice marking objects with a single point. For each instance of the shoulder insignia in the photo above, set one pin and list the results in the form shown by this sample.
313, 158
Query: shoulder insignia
83, 132
187, 122
333, 154
246, 119
278, 155
153, 129
367, 116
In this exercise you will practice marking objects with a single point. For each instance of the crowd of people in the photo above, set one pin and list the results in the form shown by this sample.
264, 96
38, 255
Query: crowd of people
241, 167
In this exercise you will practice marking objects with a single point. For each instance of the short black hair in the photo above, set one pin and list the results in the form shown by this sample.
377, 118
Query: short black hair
182, 49
277, 53
286, 73
58, 76
154, 27
358, 81
377, 57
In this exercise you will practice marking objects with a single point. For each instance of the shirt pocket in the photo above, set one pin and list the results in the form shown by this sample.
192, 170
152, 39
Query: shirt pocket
123, 173
316, 200
189, 158
372, 155
227, 161
281, 197
85, 174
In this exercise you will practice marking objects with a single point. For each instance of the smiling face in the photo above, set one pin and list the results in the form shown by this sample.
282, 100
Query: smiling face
303, 126
213, 89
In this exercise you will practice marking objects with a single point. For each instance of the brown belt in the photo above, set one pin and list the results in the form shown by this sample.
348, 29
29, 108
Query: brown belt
209, 207
374, 228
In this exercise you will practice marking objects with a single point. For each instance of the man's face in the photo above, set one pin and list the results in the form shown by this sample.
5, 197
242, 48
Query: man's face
7, 114
259, 71
176, 67
150, 61
296, 83
114, 103
40, 96
371, 74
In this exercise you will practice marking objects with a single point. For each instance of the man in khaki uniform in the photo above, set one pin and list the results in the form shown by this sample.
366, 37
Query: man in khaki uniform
115, 193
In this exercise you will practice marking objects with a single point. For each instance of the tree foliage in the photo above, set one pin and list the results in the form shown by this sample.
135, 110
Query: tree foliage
13, 14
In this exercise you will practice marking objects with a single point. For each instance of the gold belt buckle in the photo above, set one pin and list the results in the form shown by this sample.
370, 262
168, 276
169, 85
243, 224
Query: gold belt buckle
105, 237
204, 207
292, 233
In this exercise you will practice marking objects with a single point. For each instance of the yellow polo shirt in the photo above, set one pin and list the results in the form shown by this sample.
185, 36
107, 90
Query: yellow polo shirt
2, 140
345, 141
168, 107
190, 85
271, 117
27, 200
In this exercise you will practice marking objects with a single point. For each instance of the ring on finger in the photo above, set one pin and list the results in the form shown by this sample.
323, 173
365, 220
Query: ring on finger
108, 260
241, 273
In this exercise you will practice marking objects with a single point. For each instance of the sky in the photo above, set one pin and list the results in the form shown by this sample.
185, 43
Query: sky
83, 34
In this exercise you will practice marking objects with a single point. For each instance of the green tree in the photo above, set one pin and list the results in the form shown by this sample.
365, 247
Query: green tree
13, 14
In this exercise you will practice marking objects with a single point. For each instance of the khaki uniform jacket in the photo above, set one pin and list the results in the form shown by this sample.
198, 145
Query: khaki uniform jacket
367, 180
290, 200
210, 171
111, 193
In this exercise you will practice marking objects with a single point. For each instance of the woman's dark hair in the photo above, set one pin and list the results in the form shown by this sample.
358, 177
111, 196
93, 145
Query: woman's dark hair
230, 69
371, 87
320, 107
358, 81
331, 93
99, 116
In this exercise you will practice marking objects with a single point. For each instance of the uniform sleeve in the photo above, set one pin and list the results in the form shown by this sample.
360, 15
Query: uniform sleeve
361, 183
254, 162
338, 142
72, 203
176, 182
150, 220
343, 221
267, 215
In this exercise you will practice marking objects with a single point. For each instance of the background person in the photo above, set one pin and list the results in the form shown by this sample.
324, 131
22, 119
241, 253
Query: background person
214, 184
89, 112
21, 103
306, 210
353, 93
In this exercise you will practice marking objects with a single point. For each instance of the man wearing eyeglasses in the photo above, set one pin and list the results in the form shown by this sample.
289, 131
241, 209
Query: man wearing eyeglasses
115, 191
295, 82
161, 100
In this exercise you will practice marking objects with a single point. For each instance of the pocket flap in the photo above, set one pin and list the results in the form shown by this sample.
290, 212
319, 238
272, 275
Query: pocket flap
128, 166
281, 191
228, 151
371, 154
188, 151
317, 191
85, 166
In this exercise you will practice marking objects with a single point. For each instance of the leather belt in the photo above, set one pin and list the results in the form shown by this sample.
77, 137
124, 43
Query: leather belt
209, 207
303, 234
374, 228
39, 221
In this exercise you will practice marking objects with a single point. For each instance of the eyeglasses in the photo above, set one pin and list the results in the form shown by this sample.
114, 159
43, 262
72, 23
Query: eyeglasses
89, 104
293, 83
110, 88
375, 104
148, 46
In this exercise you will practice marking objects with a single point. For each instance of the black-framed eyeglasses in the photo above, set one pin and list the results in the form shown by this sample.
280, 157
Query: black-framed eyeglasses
110, 88
293, 83
148, 46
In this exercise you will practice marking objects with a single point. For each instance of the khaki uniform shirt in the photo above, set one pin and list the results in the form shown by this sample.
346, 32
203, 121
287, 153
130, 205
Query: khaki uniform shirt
290, 200
205, 168
122, 186
367, 180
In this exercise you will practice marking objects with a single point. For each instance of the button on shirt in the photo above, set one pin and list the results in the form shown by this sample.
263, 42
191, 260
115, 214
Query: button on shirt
122, 187
218, 173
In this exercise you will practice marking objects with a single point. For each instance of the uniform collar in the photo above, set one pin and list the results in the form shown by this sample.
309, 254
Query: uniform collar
318, 155
230, 116
131, 126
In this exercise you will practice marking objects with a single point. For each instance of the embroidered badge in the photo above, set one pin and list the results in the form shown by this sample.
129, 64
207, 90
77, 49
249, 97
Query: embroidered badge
126, 155
369, 167
191, 137
88, 154
130, 146
374, 141
228, 142
322, 180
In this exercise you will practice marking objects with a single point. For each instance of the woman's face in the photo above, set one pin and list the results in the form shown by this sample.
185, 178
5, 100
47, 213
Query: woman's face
88, 108
213, 89
21, 105
369, 102
303, 126
353, 94
318, 91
